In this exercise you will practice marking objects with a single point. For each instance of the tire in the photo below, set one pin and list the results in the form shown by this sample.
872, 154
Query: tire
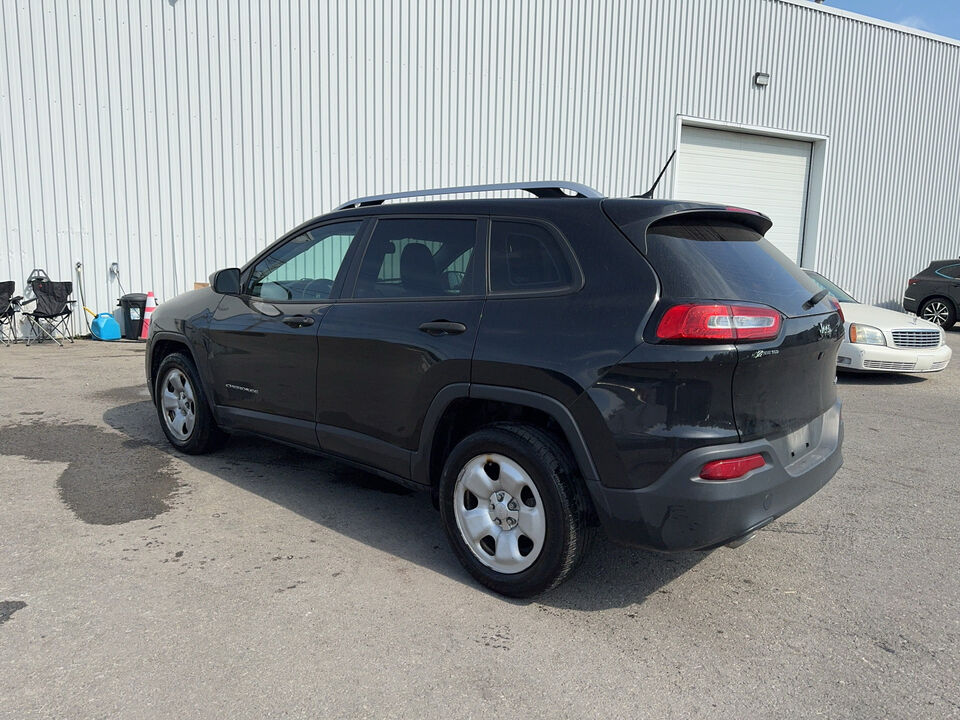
182, 408
475, 489
940, 311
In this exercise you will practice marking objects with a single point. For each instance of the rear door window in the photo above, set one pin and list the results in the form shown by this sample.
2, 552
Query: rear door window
419, 258
720, 260
528, 257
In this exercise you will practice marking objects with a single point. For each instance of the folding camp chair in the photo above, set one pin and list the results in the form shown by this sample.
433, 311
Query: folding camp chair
8, 306
52, 311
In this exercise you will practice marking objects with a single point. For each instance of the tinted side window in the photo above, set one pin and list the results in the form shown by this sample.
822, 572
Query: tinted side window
422, 257
305, 267
949, 271
526, 257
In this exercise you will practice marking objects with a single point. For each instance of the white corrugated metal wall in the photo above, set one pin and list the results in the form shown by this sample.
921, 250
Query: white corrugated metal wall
179, 136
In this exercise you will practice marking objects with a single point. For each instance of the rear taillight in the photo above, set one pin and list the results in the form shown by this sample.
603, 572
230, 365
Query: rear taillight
912, 281
836, 306
731, 468
701, 321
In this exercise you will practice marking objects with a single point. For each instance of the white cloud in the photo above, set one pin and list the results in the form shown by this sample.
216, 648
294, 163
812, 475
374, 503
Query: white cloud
915, 21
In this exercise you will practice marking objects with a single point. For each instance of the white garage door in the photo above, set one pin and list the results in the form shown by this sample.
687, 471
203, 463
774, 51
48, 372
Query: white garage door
752, 171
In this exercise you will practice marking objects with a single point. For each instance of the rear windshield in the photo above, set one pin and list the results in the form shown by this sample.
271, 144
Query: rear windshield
832, 288
718, 260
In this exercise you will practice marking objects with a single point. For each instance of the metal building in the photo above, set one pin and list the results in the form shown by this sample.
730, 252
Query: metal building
175, 137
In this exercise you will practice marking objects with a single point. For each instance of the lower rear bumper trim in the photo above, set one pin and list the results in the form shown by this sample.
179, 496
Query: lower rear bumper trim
680, 512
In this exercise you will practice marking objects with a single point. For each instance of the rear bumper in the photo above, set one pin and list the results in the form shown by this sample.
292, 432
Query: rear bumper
910, 304
681, 512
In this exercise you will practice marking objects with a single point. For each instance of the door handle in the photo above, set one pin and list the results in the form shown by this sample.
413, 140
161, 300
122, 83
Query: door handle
443, 327
298, 321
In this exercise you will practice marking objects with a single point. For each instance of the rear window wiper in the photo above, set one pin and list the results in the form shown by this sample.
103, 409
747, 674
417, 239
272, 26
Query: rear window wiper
815, 299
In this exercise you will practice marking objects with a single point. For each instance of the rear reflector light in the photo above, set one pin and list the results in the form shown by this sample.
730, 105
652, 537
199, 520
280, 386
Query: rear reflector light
719, 322
731, 468
836, 305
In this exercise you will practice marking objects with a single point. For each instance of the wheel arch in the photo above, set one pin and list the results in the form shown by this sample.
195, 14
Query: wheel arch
938, 296
161, 345
462, 407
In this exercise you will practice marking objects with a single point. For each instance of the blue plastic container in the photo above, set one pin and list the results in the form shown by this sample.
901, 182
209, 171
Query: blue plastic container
104, 327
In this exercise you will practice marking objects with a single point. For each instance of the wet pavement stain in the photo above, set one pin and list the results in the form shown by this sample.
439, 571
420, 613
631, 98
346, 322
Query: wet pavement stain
8, 608
109, 479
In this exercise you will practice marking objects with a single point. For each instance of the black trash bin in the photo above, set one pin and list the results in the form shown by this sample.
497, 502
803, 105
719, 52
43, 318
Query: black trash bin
134, 305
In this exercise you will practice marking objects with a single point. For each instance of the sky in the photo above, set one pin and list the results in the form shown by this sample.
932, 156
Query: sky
937, 16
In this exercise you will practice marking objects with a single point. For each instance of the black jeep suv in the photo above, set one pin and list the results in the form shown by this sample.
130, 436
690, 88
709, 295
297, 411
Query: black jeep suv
543, 365
934, 293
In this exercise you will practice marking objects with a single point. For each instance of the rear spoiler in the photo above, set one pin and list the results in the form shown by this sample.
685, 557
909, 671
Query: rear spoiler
749, 218
634, 217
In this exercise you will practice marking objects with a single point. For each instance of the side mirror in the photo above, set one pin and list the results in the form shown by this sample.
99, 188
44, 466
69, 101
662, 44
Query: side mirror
226, 282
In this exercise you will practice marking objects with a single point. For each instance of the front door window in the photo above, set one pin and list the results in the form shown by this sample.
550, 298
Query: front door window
306, 267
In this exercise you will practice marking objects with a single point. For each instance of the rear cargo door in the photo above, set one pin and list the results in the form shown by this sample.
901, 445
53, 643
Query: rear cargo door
779, 385
783, 385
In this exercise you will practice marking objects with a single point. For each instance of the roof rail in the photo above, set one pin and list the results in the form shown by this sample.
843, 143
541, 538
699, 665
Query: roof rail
541, 188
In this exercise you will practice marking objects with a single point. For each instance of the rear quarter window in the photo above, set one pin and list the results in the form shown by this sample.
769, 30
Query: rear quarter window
949, 271
528, 257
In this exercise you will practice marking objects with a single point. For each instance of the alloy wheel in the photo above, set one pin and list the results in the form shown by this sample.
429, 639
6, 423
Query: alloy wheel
936, 312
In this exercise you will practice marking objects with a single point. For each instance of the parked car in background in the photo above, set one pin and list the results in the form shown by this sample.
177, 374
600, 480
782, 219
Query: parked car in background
543, 366
881, 340
934, 293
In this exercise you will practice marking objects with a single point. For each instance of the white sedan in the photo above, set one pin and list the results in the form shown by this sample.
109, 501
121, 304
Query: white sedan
881, 340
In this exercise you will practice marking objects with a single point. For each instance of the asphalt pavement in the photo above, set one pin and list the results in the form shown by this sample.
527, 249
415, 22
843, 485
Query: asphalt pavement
265, 582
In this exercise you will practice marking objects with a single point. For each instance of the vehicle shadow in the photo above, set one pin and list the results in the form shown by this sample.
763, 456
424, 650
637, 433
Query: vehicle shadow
392, 518
867, 379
